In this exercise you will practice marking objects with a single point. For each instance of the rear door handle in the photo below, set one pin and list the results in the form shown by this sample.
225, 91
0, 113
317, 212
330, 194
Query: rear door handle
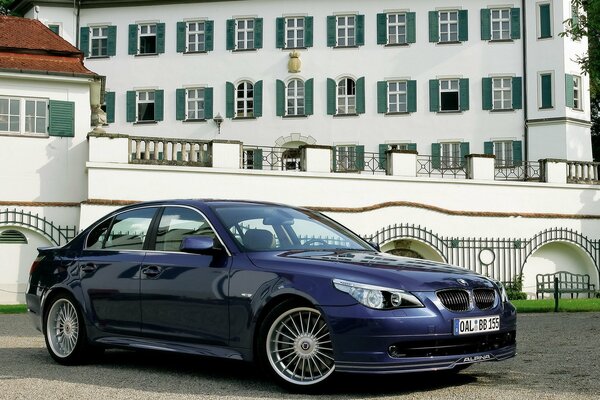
152, 271
88, 268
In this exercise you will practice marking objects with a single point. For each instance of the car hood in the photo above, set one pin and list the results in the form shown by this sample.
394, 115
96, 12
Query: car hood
373, 268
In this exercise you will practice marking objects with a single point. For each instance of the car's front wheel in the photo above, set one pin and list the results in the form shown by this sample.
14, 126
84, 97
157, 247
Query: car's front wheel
298, 346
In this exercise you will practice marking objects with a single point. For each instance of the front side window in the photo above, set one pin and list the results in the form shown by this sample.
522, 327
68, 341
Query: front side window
396, 28
294, 32
451, 157
500, 23
99, 41
397, 97
145, 105
503, 150
346, 96
295, 97
196, 36
345, 158
346, 30
126, 231
147, 39
176, 223
10, 115
448, 26
244, 99
245, 34
194, 103
449, 95
502, 97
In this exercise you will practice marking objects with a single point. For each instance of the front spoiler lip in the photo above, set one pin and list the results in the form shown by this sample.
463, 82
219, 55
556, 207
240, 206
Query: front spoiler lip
424, 364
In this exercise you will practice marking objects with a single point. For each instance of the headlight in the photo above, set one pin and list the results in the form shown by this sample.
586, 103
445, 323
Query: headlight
377, 297
503, 295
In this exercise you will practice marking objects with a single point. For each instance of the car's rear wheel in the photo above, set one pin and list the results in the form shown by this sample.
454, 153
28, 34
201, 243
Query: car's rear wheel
64, 331
297, 346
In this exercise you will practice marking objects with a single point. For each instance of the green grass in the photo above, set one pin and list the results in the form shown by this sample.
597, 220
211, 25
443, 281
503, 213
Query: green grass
13, 309
564, 305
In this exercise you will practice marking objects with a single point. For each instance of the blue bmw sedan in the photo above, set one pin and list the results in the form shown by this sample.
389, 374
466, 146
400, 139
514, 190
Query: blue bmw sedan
285, 287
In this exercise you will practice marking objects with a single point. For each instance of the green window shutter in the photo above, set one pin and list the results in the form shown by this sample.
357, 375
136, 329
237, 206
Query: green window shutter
62, 118
436, 151
411, 27
360, 30
334, 159
331, 95
209, 35
488, 148
331, 31
434, 95
109, 100
179, 156
382, 156
180, 104
412, 146
308, 97
308, 31
280, 33
84, 40
280, 98
545, 21
111, 41
382, 28
546, 81
160, 38
463, 25
515, 23
208, 103
258, 86
517, 152
54, 28
181, 47
133, 36
159, 105
570, 99
411, 88
434, 34
230, 34
360, 157
360, 95
464, 94
486, 29
486, 94
382, 105
517, 93
258, 33
131, 97
229, 100
257, 159
464, 151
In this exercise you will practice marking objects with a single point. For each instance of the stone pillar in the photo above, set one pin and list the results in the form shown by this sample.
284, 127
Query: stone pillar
226, 154
481, 167
553, 170
108, 148
401, 162
315, 158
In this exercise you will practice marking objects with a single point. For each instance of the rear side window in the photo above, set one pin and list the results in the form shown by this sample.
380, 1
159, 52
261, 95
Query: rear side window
127, 232
176, 223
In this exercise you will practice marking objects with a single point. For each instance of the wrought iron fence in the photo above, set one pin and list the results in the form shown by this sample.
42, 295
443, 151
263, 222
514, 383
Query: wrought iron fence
521, 171
271, 158
374, 163
145, 150
58, 234
583, 172
442, 167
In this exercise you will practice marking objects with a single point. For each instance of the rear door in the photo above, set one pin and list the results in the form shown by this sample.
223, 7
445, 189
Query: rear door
109, 268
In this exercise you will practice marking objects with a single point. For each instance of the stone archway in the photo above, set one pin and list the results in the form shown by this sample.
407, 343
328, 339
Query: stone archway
409, 247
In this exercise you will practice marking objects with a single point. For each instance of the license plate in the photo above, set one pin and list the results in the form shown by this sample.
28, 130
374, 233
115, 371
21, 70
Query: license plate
466, 326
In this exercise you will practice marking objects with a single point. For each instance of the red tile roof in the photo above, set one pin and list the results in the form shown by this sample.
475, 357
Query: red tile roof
28, 45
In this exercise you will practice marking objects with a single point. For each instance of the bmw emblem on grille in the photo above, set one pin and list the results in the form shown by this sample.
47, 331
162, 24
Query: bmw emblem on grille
462, 282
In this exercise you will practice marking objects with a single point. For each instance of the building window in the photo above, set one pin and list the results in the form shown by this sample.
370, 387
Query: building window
23, 115
502, 93
244, 100
544, 21
397, 97
396, 28
503, 151
295, 97
546, 95
346, 96
10, 115
145, 106
451, 157
449, 95
577, 93
194, 103
196, 36
500, 23
36, 112
99, 41
294, 32
345, 158
244, 33
448, 26
147, 39
346, 30
54, 28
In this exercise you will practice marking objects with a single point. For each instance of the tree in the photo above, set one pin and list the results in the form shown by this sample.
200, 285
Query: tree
4, 10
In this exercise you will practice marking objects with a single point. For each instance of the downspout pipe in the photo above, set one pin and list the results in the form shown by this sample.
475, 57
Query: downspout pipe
77, 9
525, 103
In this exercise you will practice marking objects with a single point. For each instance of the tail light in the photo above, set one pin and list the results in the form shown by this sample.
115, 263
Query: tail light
35, 264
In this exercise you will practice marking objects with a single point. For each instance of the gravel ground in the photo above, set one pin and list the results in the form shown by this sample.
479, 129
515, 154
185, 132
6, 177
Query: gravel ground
559, 358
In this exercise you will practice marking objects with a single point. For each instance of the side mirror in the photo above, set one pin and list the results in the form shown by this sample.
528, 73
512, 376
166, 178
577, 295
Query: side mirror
375, 245
197, 244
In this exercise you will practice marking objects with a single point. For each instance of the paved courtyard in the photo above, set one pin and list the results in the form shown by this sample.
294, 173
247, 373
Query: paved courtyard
559, 358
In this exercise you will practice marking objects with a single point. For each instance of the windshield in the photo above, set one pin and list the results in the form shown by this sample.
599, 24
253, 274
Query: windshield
259, 227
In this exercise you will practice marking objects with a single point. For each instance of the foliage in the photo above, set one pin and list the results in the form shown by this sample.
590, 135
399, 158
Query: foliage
564, 305
514, 289
4, 9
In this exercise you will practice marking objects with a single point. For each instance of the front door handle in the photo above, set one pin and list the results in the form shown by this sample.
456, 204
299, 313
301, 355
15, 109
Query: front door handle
89, 268
152, 271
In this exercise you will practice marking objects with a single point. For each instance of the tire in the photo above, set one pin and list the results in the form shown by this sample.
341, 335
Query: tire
295, 347
64, 332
